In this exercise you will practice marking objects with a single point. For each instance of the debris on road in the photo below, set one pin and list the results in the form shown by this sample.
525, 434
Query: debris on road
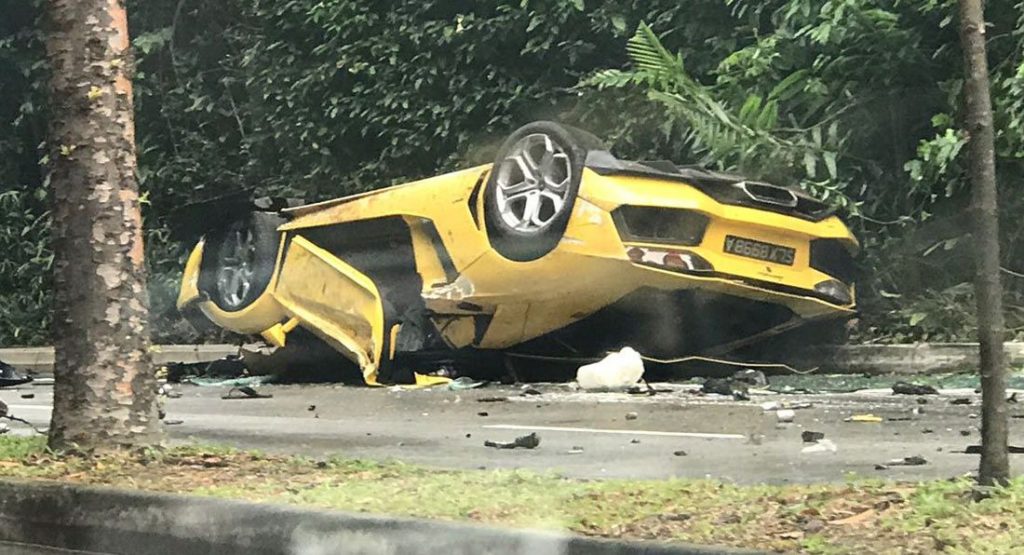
751, 377
776, 405
868, 418
530, 441
28, 395
245, 392
960, 401
906, 388
821, 446
10, 377
173, 422
634, 441
311, 408
251, 381
230, 366
465, 382
726, 386
492, 400
785, 416
483, 413
632, 416
574, 450
1012, 398
908, 461
618, 370
679, 453
529, 391
811, 437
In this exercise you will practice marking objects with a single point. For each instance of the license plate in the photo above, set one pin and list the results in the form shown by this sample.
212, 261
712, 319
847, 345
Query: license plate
759, 250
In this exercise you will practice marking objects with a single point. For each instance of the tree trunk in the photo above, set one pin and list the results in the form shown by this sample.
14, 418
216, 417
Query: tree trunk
995, 466
105, 385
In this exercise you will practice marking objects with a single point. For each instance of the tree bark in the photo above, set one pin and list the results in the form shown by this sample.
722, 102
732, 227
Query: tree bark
995, 466
105, 385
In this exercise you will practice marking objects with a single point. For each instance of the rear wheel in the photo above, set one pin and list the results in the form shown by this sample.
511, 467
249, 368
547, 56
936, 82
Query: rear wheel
532, 189
241, 261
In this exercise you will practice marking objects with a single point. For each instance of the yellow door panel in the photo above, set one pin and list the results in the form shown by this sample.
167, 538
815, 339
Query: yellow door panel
334, 299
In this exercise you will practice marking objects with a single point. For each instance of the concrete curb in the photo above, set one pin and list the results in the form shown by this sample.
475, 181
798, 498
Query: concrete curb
39, 360
121, 522
921, 358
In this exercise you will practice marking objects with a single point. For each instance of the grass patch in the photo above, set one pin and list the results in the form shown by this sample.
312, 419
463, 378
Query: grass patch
856, 517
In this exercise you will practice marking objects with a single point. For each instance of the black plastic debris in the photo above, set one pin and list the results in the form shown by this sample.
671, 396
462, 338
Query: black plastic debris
811, 437
632, 416
906, 388
726, 386
28, 395
679, 453
482, 413
245, 392
311, 408
530, 391
492, 400
530, 441
11, 377
960, 401
1012, 398
717, 386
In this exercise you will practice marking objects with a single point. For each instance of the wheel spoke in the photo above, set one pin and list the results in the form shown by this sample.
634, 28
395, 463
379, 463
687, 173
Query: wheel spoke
531, 211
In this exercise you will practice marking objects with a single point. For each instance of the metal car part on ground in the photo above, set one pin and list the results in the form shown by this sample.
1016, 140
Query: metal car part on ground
558, 248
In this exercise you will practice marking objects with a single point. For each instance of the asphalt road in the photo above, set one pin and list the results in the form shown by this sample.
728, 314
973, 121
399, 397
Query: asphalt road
589, 435
23, 549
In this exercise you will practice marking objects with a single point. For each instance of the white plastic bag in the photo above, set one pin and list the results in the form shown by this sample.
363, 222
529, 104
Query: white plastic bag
618, 370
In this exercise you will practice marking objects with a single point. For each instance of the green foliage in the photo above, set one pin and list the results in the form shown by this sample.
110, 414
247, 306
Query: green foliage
854, 100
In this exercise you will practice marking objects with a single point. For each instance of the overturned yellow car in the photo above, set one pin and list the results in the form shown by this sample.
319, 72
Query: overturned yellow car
558, 248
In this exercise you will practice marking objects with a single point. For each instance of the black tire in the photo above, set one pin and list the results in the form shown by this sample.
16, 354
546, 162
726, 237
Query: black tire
531, 239
251, 242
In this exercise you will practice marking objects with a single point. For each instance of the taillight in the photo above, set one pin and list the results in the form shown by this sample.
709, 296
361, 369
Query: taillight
650, 224
831, 256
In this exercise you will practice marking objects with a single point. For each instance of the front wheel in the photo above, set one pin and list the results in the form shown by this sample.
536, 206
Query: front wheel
240, 261
532, 189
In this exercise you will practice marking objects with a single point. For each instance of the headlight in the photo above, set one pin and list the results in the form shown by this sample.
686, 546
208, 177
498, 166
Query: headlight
835, 291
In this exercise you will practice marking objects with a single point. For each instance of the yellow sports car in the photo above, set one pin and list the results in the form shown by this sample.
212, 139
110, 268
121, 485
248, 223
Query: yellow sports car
556, 248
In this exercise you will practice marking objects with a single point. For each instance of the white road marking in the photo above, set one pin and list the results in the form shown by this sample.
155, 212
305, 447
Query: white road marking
30, 407
620, 432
